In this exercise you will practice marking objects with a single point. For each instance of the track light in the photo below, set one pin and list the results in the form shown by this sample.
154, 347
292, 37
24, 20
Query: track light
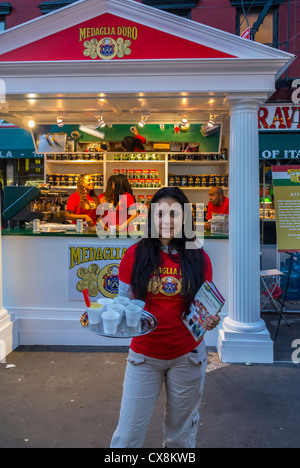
211, 121
60, 121
184, 120
184, 126
101, 122
143, 120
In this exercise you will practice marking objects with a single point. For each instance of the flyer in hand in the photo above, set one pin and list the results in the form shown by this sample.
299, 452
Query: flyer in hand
208, 301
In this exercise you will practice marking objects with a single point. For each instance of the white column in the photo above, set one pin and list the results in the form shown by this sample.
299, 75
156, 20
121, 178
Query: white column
6, 326
244, 336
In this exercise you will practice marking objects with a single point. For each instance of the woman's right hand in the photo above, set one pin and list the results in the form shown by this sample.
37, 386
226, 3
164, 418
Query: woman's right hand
88, 220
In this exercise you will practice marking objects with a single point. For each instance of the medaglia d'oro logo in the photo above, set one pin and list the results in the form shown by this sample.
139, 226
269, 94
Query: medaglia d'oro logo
107, 48
107, 43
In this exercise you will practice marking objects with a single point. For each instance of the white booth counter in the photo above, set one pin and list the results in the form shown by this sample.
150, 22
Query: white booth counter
44, 273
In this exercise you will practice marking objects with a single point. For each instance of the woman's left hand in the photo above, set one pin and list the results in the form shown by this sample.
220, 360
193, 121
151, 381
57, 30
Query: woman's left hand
211, 321
121, 227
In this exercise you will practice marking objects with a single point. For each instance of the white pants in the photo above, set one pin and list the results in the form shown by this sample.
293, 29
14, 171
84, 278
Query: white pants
184, 380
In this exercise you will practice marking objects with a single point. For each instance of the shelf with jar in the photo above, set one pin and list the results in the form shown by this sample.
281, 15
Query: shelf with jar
199, 158
198, 171
200, 181
63, 169
78, 157
148, 171
69, 181
149, 157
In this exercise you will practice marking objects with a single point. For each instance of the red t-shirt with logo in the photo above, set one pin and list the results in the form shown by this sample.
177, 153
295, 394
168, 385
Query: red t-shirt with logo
119, 215
88, 209
171, 338
222, 209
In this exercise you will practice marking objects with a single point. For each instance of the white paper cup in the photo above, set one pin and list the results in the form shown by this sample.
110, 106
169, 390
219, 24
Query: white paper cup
121, 300
104, 301
94, 313
133, 315
110, 322
116, 307
138, 302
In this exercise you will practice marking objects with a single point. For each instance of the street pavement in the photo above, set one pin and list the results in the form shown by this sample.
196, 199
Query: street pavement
69, 397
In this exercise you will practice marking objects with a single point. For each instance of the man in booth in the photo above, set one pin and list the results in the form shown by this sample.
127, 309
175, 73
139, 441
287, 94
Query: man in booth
218, 204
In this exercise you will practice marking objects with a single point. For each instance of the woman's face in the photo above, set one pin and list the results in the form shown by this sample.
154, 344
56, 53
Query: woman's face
168, 219
88, 183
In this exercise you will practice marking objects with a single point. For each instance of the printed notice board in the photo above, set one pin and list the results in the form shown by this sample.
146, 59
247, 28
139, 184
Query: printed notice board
286, 181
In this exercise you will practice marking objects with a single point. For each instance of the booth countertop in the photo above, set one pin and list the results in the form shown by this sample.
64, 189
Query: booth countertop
89, 233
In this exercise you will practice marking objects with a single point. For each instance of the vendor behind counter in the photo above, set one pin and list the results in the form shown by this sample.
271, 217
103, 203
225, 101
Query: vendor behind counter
117, 211
134, 143
218, 204
84, 202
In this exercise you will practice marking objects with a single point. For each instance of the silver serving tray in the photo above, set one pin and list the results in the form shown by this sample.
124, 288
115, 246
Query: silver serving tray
147, 324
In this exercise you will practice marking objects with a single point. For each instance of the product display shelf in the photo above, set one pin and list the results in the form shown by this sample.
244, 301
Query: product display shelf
165, 164
200, 163
71, 187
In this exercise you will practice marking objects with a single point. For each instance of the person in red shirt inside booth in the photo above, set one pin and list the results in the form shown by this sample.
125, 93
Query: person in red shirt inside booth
83, 203
118, 210
134, 143
218, 204
165, 269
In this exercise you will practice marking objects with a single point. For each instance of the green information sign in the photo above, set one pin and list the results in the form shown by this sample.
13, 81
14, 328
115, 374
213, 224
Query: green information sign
279, 145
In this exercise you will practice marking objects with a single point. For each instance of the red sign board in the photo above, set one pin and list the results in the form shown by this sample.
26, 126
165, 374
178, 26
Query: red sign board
109, 37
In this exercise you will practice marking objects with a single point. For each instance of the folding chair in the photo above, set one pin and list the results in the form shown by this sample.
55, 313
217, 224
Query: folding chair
268, 289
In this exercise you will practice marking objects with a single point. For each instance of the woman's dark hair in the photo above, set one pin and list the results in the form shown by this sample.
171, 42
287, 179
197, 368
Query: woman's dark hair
148, 252
109, 190
130, 143
122, 185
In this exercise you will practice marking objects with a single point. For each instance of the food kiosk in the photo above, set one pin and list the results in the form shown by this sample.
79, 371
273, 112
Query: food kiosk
122, 61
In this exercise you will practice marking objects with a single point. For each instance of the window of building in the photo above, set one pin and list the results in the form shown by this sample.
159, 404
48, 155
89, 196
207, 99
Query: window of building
29, 170
254, 3
5, 9
48, 7
267, 32
177, 7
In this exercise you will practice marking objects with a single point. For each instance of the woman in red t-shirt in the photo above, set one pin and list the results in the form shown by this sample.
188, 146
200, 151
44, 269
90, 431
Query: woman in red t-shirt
118, 210
83, 203
165, 269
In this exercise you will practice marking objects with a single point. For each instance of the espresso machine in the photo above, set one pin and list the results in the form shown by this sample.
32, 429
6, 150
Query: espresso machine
24, 204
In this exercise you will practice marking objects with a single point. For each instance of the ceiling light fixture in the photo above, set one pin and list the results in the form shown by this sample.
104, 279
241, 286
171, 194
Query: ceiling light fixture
211, 121
143, 120
184, 120
91, 131
31, 123
60, 121
101, 122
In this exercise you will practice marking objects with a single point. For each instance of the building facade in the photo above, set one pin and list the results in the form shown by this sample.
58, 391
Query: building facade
273, 22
